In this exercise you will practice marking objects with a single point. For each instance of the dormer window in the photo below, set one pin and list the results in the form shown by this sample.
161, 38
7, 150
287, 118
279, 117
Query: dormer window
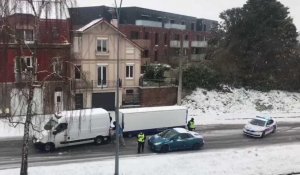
25, 35
102, 45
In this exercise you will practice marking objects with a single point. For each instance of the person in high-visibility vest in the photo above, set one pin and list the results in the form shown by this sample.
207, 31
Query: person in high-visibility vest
191, 125
141, 142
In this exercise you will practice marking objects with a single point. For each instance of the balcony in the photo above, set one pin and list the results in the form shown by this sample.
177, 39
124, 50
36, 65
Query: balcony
175, 26
148, 23
197, 57
201, 44
185, 44
175, 43
92, 84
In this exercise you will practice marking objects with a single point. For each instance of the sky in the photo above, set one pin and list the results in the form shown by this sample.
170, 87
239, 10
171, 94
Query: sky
209, 9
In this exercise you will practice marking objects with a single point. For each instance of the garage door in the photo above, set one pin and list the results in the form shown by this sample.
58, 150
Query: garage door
104, 100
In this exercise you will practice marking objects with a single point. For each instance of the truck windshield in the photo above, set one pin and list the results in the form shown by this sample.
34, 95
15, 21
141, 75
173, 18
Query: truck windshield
50, 124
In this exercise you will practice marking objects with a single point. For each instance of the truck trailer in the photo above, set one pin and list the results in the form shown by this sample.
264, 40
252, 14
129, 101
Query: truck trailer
72, 128
152, 120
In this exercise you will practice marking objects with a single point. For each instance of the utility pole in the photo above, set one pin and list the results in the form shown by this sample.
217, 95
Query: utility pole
117, 93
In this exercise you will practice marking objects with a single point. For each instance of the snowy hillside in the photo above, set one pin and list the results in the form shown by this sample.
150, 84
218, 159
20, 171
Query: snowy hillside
232, 104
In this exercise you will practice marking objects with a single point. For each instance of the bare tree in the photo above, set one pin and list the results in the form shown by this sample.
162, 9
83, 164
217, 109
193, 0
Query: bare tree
40, 9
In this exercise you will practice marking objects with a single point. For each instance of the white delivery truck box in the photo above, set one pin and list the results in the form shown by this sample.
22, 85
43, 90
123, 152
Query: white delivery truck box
73, 128
152, 120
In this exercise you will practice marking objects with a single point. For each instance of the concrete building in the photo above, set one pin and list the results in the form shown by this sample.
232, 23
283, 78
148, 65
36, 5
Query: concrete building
162, 35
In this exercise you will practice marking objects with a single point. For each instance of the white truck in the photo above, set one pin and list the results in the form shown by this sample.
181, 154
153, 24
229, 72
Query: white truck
73, 128
152, 120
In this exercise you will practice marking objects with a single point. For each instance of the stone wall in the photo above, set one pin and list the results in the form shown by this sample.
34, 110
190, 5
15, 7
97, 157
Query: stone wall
158, 96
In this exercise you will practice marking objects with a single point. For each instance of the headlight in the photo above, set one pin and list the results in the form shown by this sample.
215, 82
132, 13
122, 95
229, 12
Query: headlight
157, 143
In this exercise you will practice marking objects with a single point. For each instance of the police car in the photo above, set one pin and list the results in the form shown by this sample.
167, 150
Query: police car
260, 127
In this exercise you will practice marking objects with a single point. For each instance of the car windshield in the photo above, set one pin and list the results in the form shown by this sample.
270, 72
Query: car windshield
258, 122
168, 133
50, 124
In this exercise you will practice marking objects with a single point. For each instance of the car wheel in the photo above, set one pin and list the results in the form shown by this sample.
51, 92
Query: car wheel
164, 149
99, 140
196, 146
263, 134
49, 147
274, 129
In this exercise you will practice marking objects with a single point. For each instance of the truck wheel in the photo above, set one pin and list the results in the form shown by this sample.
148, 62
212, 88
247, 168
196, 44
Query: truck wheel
164, 149
99, 140
49, 147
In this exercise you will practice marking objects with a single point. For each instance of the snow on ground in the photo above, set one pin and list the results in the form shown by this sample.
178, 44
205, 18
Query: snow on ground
237, 105
233, 106
269, 160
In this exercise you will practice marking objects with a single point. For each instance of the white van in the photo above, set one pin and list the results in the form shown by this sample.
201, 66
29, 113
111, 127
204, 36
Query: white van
152, 120
73, 128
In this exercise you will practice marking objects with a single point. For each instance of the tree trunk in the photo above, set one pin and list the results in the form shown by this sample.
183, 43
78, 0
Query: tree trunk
24, 165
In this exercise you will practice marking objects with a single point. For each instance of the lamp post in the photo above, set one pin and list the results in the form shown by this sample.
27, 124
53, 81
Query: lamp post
117, 93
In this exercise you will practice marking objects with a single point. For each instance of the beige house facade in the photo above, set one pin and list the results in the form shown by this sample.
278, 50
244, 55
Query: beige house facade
94, 70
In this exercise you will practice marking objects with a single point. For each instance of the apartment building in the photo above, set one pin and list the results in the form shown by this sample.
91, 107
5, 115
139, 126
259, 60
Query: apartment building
164, 37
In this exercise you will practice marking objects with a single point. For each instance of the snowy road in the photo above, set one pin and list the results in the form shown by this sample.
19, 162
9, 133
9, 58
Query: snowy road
216, 137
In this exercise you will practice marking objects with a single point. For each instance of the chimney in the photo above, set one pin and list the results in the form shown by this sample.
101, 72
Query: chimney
114, 22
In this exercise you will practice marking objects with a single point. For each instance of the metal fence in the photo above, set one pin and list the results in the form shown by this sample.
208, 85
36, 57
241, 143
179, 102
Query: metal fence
158, 82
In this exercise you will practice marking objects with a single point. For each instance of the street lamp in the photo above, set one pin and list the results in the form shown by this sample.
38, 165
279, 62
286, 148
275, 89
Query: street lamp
117, 93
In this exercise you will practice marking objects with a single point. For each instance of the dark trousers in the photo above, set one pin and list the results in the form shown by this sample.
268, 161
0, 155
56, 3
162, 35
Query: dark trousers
141, 146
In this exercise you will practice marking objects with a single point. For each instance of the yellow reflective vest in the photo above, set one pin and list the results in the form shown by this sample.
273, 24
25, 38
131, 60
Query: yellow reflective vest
192, 125
141, 138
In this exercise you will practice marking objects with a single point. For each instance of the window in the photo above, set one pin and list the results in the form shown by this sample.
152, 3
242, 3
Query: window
155, 55
77, 71
146, 54
102, 45
58, 101
129, 71
129, 91
25, 35
60, 128
176, 37
165, 39
204, 27
134, 35
172, 21
57, 66
270, 122
102, 75
146, 35
78, 101
193, 26
156, 38
55, 32
24, 64
186, 37
24, 68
